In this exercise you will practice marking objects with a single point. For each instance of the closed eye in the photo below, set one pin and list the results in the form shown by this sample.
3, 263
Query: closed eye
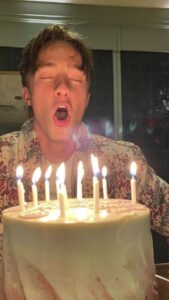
76, 75
47, 77
76, 80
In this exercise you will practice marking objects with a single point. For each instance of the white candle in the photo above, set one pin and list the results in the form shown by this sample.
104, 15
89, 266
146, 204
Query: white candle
21, 191
80, 174
61, 203
96, 194
65, 194
133, 170
61, 189
104, 182
57, 186
35, 178
47, 187
95, 166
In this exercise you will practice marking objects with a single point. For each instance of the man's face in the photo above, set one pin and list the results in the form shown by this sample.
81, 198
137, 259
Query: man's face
58, 93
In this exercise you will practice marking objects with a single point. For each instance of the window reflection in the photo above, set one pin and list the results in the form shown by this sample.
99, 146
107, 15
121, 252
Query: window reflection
103, 126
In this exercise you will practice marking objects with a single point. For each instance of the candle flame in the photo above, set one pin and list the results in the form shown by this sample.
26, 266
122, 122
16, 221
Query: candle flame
104, 171
48, 172
82, 213
80, 171
19, 172
95, 164
60, 173
103, 214
133, 168
36, 175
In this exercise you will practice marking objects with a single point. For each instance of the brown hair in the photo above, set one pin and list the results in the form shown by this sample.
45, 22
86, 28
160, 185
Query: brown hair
48, 36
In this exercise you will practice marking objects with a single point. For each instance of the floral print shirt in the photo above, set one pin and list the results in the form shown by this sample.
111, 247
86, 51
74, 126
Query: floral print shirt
22, 147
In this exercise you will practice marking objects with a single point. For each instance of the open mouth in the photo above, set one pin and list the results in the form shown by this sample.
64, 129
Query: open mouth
61, 113
62, 117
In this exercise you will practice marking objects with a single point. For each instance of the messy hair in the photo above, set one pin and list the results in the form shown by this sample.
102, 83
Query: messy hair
48, 36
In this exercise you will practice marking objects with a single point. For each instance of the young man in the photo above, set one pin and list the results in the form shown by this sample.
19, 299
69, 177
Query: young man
56, 71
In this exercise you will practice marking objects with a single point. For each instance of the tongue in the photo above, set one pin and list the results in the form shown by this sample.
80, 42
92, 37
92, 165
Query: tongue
61, 114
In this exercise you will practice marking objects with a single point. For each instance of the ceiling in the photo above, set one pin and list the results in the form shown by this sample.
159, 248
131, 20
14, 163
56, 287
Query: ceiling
122, 3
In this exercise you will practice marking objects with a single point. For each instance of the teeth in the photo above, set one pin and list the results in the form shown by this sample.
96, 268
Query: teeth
62, 106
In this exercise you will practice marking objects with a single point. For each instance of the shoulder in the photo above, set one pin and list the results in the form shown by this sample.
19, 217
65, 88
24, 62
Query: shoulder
12, 139
111, 146
115, 154
8, 146
9, 139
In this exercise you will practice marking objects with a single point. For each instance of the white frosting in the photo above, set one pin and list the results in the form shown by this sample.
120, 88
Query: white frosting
83, 256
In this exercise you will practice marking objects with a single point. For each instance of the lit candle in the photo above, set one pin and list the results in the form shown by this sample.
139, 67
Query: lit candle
21, 191
35, 178
47, 187
95, 166
133, 170
80, 174
61, 204
61, 189
57, 185
104, 182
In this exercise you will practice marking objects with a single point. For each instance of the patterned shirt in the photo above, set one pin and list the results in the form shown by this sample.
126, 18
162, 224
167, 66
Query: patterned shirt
22, 147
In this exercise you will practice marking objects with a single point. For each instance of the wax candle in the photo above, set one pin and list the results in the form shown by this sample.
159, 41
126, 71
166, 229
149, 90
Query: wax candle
61, 203
60, 178
35, 178
80, 174
57, 185
61, 192
64, 190
104, 182
47, 187
20, 187
133, 170
95, 166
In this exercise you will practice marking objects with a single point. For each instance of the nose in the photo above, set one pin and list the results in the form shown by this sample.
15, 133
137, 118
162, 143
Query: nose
62, 89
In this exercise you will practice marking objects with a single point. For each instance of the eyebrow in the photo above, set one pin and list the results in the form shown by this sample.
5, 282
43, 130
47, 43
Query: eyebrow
42, 64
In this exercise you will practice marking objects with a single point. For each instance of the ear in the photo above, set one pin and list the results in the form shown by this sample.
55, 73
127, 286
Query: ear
26, 96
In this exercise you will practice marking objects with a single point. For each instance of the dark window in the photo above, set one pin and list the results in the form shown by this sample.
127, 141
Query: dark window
145, 94
10, 58
100, 112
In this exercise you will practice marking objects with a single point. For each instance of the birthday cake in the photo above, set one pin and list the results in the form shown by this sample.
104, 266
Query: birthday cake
80, 256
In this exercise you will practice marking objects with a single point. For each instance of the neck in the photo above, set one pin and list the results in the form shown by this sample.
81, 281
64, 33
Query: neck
57, 152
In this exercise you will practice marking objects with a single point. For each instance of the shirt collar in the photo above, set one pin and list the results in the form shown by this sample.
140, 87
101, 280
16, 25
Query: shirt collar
31, 141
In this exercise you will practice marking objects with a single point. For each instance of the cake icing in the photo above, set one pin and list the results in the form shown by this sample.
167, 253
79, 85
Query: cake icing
81, 257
